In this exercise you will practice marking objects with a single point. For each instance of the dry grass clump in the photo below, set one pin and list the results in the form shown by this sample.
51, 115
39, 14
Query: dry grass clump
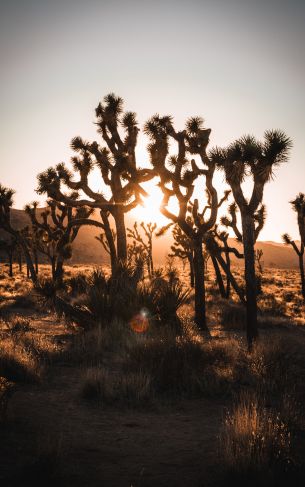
17, 363
269, 304
129, 389
19, 324
255, 444
90, 348
279, 363
185, 366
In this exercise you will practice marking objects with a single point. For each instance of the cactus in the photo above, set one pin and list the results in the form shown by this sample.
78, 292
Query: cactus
298, 205
249, 158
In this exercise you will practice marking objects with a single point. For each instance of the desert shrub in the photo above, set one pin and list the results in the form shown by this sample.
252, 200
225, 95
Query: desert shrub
128, 389
24, 301
77, 284
17, 364
279, 364
255, 444
91, 347
270, 321
167, 297
47, 289
268, 304
19, 324
288, 296
124, 295
115, 296
175, 366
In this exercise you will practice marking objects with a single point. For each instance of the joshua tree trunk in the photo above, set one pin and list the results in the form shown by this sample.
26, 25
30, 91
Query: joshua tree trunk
250, 278
20, 261
230, 276
301, 265
191, 263
218, 277
29, 263
200, 315
228, 287
121, 234
110, 241
10, 257
59, 271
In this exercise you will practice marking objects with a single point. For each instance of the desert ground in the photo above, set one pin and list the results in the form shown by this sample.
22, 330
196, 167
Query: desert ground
121, 405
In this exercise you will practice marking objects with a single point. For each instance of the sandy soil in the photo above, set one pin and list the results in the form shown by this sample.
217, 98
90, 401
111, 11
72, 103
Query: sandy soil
171, 446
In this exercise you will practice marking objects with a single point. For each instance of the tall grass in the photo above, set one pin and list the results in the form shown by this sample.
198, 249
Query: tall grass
255, 444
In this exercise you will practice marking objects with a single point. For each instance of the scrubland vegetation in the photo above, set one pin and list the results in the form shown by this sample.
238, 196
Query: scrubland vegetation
109, 364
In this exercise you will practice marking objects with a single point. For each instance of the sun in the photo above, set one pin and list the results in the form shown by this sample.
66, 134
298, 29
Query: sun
150, 210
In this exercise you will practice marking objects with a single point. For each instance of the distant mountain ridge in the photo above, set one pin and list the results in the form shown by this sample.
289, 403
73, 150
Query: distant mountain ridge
87, 250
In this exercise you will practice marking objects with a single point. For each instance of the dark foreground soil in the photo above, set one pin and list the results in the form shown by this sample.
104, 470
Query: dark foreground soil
52, 437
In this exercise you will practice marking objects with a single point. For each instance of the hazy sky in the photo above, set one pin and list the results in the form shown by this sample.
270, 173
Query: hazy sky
239, 64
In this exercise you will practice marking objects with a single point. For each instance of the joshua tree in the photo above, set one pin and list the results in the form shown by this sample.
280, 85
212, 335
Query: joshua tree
183, 249
217, 245
248, 157
9, 247
258, 259
140, 247
177, 177
55, 231
6, 203
118, 169
298, 206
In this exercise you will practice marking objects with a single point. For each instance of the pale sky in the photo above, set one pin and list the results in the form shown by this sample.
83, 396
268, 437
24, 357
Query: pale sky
238, 64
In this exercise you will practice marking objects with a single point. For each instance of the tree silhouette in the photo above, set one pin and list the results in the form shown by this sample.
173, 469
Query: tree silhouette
6, 203
177, 177
9, 247
230, 221
117, 167
248, 157
183, 249
142, 245
298, 205
108, 244
217, 245
55, 231
258, 259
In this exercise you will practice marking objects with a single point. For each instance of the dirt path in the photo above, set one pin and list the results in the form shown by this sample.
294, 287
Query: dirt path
89, 446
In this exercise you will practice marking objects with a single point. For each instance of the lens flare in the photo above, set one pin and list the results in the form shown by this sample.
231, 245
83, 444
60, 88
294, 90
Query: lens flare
140, 322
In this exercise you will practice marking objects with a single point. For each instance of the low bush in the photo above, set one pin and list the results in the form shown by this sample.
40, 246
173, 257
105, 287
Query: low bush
19, 324
132, 390
17, 364
255, 445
